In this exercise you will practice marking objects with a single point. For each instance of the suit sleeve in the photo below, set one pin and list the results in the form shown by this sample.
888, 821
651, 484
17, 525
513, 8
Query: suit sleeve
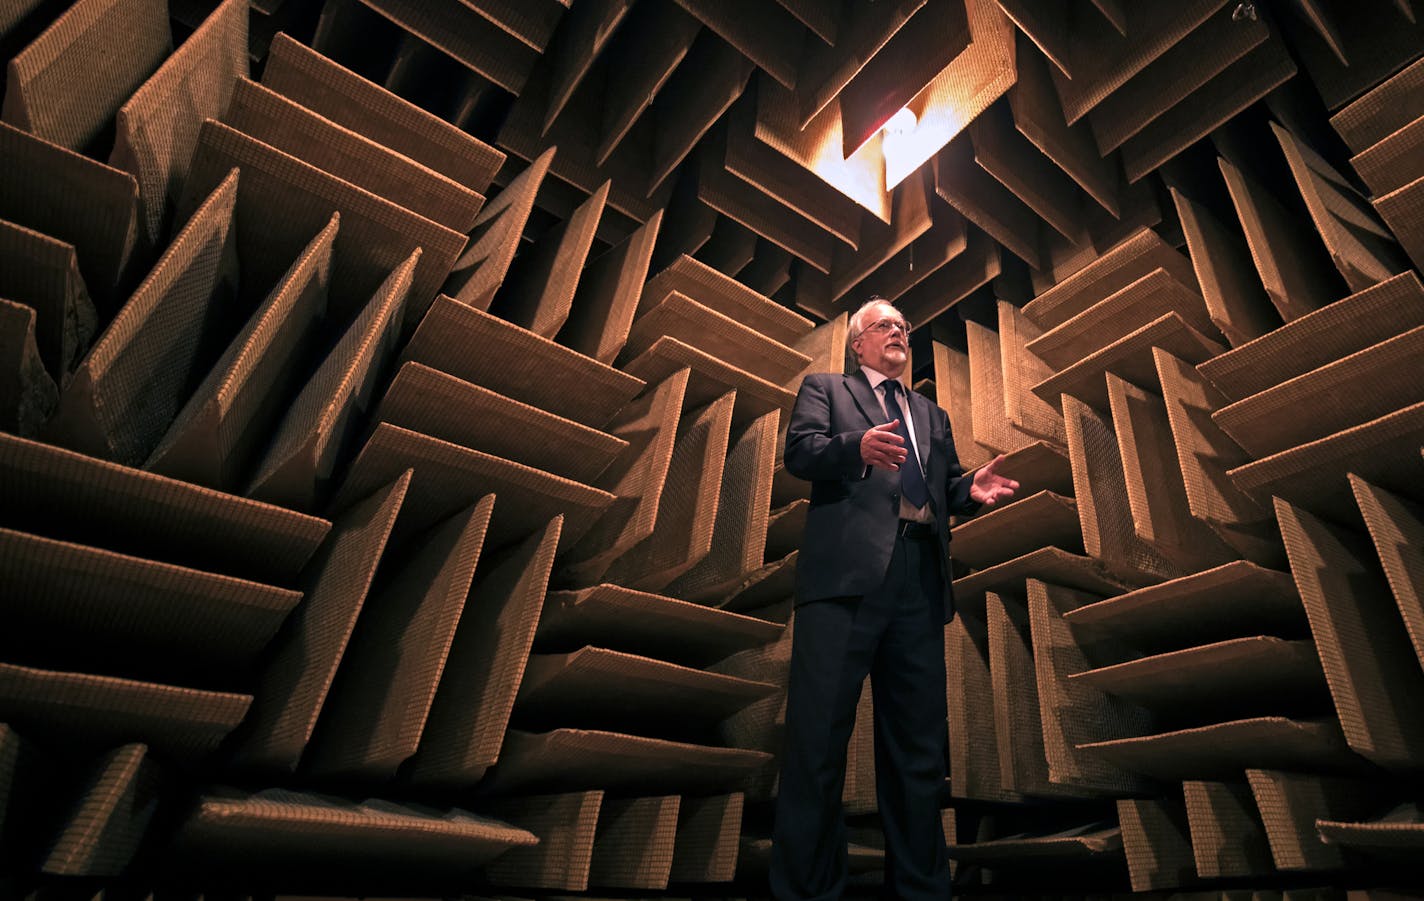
956, 489
813, 452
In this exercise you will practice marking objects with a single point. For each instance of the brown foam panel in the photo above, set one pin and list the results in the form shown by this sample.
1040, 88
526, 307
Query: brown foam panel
607, 295
486, 664
299, 465
1139, 255
563, 758
992, 429
974, 764
307, 651
519, 364
485, 260
634, 841
1071, 712
27, 393
566, 825
1395, 525
705, 846
43, 273
66, 84
538, 291
1228, 838
117, 407
1369, 661
1042, 519
104, 829
1222, 749
331, 90
1051, 564
382, 695
223, 425
1383, 110
1156, 838
736, 344
1235, 298
1021, 369
442, 406
1291, 803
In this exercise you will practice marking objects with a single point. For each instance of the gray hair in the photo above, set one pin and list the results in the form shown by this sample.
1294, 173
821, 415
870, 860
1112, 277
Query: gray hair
857, 322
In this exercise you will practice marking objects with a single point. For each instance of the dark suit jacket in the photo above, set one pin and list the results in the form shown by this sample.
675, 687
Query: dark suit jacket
850, 527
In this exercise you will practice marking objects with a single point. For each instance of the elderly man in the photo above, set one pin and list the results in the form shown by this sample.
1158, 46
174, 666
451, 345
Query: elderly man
872, 598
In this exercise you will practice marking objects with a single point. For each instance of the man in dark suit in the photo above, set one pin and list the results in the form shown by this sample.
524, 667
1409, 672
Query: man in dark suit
872, 598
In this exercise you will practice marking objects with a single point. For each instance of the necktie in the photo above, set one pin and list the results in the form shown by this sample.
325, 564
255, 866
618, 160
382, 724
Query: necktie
912, 480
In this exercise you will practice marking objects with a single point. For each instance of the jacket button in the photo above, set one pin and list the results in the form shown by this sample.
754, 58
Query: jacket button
894, 495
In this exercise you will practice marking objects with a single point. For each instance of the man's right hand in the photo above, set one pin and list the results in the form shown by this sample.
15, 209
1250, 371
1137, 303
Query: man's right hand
882, 446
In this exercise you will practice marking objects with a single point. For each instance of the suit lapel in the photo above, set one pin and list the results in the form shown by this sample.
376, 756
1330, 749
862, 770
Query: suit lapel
865, 397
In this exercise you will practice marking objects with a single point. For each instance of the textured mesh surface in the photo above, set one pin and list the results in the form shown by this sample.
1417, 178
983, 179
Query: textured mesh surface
299, 463
1205, 455
1072, 713
63, 495
132, 384
633, 843
621, 619
636, 479
1227, 93
1396, 525
595, 685
1235, 299
308, 649
974, 766
75, 200
1100, 488
1216, 675
1021, 369
285, 124
285, 201
485, 261
282, 829
1023, 763
488, 656
382, 695
992, 429
739, 534
1043, 519
1138, 256
182, 723
1312, 341
1170, 79
727, 296
1156, 489
425, 400
230, 415
1291, 803
158, 614
1120, 314
1403, 211
1388, 107
607, 295
463, 33
156, 129
538, 292
1238, 598
67, 84
1360, 246
563, 758
1383, 451
1129, 357
27, 393
1369, 662
520, 364
711, 378
1270, 422
329, 89
952, 384
707, 838
1157, 841
1287, 251
449, 477
687, 508
738, 345
102, 832
1058, 567
1393, 162
43, 273
1222, 749
565, 824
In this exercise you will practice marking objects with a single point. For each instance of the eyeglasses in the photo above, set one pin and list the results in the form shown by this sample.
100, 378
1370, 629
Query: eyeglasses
886, 326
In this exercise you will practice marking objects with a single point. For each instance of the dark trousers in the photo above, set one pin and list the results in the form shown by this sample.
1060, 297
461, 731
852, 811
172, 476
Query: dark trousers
896, 636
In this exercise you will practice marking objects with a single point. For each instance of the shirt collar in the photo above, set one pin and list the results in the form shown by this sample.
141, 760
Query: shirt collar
874, 377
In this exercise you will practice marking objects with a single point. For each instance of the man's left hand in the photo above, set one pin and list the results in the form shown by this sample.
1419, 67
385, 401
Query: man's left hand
988, 487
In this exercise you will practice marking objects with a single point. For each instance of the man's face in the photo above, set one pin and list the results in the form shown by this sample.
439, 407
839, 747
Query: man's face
886, 350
